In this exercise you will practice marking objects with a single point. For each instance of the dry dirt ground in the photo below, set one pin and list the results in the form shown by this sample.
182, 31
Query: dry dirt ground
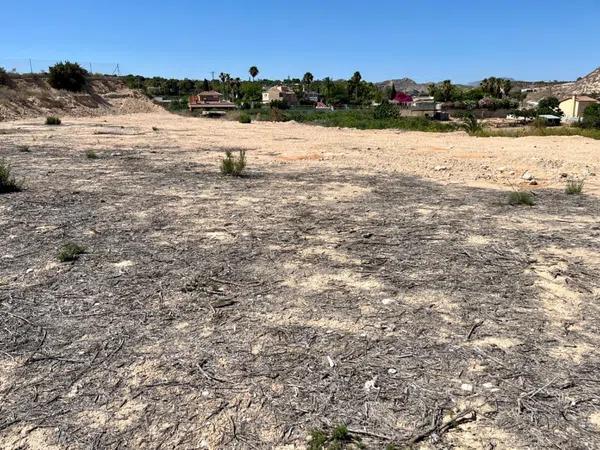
373, 278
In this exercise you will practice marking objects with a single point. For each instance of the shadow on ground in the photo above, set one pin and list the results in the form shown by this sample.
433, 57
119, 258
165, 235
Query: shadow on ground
235, 313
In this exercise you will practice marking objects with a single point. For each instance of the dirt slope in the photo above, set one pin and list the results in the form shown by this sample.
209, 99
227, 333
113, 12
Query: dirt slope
588, 84
33, 97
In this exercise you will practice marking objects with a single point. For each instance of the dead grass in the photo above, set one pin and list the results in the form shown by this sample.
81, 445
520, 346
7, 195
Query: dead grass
574, 187
521, 198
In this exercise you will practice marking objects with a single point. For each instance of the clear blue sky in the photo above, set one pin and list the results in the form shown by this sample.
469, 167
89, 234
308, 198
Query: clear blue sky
463, 40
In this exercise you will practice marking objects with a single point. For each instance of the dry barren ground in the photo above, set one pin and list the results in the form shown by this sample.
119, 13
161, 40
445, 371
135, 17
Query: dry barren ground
373, 278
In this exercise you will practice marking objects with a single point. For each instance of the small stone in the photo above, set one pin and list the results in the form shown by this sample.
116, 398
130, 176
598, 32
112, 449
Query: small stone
527, 176
392, 371
440, 168
371, 384
533, 182
467, 387
367, 235
388, 301
564, 175
512, 172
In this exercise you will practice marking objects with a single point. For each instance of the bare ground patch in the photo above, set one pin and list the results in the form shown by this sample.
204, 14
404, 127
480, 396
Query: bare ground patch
218, 313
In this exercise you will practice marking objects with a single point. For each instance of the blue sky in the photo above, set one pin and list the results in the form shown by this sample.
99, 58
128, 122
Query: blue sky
463, 40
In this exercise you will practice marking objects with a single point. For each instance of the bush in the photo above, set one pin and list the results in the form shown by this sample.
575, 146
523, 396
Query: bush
70, 252
91, 154
273, 115
245, 118
521, 198
574, 187
232, 165
279, 104
68, 76
386, 110
4, 78
470, 124
52, 120
7, 181
591, 117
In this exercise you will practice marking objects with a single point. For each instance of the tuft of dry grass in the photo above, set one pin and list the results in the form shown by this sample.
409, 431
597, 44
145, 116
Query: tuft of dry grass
52, 120
8, 183
574, 187
234, 166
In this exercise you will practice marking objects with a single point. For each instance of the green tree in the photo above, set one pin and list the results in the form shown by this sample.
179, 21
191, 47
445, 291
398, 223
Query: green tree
307, 80
354, 84
549, 105
253, 71
591, 116
393, 92
67, 75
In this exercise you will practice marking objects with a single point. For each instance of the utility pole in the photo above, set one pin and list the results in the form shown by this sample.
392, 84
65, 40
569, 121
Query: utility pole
30, 66
213, 75
91, 71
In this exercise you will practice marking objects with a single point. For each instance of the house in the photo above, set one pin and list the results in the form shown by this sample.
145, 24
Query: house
321, 105
279, 93
311, 96
574, 106
209, 100
402, 99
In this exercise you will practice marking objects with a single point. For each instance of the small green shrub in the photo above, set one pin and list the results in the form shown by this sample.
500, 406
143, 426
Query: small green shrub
521, 198
470, 124
574, 187
245, 118
591, 117
52, 120
24, 148
67, 75
70, 252
8, 183
340, 433
338, 438
231, 165
279, 104
386, 110
91, 154
318, 439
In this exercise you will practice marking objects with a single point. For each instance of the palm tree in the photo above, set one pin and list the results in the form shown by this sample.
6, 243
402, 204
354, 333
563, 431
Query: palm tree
355, 82
253, 71
225, 81
307, 80
235, 87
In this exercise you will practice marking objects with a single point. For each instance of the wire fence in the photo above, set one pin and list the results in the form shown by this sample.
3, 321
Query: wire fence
27, 65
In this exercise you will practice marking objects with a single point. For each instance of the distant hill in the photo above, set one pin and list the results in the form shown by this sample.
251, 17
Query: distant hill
589, 84
404, 85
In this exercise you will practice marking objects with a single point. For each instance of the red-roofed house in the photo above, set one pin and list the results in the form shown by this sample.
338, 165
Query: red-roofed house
402, 99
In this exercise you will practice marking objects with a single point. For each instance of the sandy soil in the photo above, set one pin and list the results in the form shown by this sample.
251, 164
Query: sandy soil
373, 278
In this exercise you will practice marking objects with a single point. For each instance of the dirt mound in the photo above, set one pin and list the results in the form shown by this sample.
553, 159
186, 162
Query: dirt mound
32, 96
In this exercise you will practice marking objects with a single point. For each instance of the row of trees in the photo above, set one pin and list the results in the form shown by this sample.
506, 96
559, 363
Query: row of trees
352, 91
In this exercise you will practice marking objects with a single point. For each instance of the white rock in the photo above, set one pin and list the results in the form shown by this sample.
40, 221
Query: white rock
527, 176
467, 387
371, 384
388, 301
392, 371
440, 168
